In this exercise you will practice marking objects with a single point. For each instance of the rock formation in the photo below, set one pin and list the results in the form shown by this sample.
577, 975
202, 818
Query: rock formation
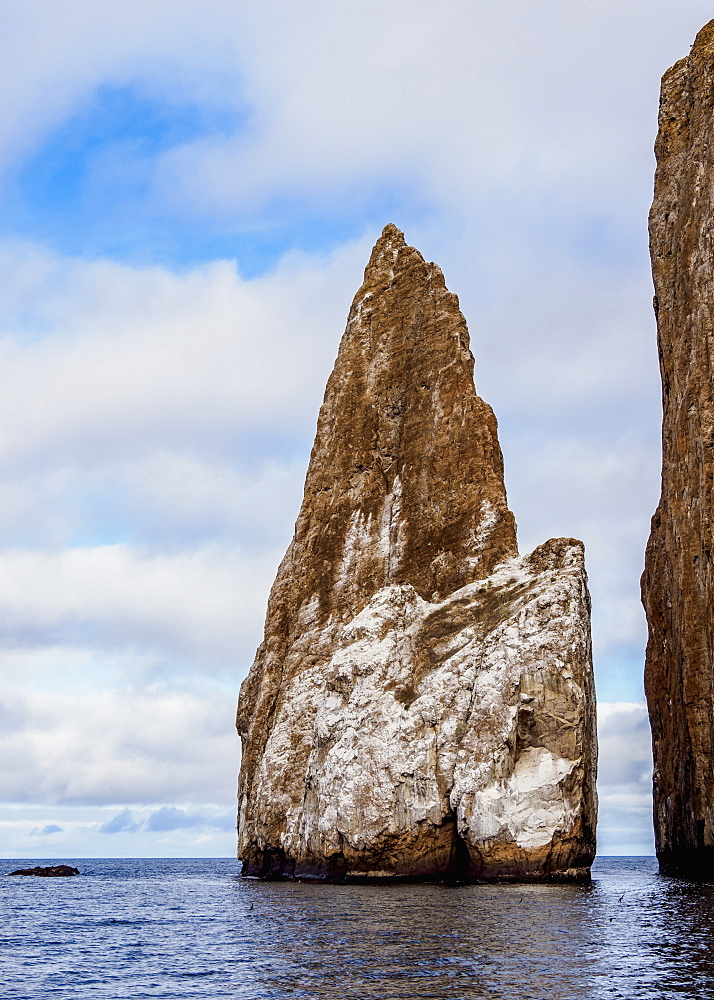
422, 705
678, 582
56, 871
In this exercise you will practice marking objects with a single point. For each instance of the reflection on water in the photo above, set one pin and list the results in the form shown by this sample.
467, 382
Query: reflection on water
401, 941
191, 929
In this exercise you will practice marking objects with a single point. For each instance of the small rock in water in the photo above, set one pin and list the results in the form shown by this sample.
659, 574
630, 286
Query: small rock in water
58, 871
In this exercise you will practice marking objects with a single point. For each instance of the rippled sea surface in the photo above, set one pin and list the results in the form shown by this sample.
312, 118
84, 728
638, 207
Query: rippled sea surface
153, 928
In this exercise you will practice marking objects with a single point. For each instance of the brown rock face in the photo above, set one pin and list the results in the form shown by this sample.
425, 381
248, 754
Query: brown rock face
406, 469
398, 719
678, 585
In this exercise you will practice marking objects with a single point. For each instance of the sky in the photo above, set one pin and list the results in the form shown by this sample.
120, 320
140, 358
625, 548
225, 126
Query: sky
188, 196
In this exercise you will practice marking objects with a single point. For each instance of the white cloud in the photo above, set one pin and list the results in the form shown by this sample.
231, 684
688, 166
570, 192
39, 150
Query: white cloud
448, 98
196, 607
100, 359
153, 746
625, 779
174, 497
453, 101
163, 501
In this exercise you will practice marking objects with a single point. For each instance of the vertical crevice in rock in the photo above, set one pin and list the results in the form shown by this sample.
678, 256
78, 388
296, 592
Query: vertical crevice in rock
402, 627
459, 869
677, 585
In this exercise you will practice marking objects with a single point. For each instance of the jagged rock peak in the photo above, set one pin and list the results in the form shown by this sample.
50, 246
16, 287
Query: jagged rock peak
405, 482
422, 704
678, 582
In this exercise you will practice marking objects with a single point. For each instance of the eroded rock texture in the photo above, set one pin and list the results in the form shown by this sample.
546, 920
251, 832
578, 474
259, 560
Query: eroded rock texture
678, 585
422, 704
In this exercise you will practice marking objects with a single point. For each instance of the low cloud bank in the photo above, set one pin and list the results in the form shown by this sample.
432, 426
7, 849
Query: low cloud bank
167, 819
147, 746
173, 759
40, 831
625, 779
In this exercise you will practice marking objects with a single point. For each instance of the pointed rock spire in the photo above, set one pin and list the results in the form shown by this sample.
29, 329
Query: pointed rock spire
405, 483
385, 704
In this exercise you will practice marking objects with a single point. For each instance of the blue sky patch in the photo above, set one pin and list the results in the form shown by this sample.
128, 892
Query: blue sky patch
92, 191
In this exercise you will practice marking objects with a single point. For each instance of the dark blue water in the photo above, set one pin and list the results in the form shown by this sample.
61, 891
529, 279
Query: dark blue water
192, 929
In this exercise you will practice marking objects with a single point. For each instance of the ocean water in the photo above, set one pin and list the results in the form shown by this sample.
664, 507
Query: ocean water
193, 929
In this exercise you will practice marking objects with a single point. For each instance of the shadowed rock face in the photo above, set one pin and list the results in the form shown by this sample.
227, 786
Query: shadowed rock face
677, 585
422, 703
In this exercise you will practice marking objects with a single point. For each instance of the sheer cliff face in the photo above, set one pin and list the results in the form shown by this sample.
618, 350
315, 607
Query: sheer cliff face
677, 585
405, 482
422, 702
